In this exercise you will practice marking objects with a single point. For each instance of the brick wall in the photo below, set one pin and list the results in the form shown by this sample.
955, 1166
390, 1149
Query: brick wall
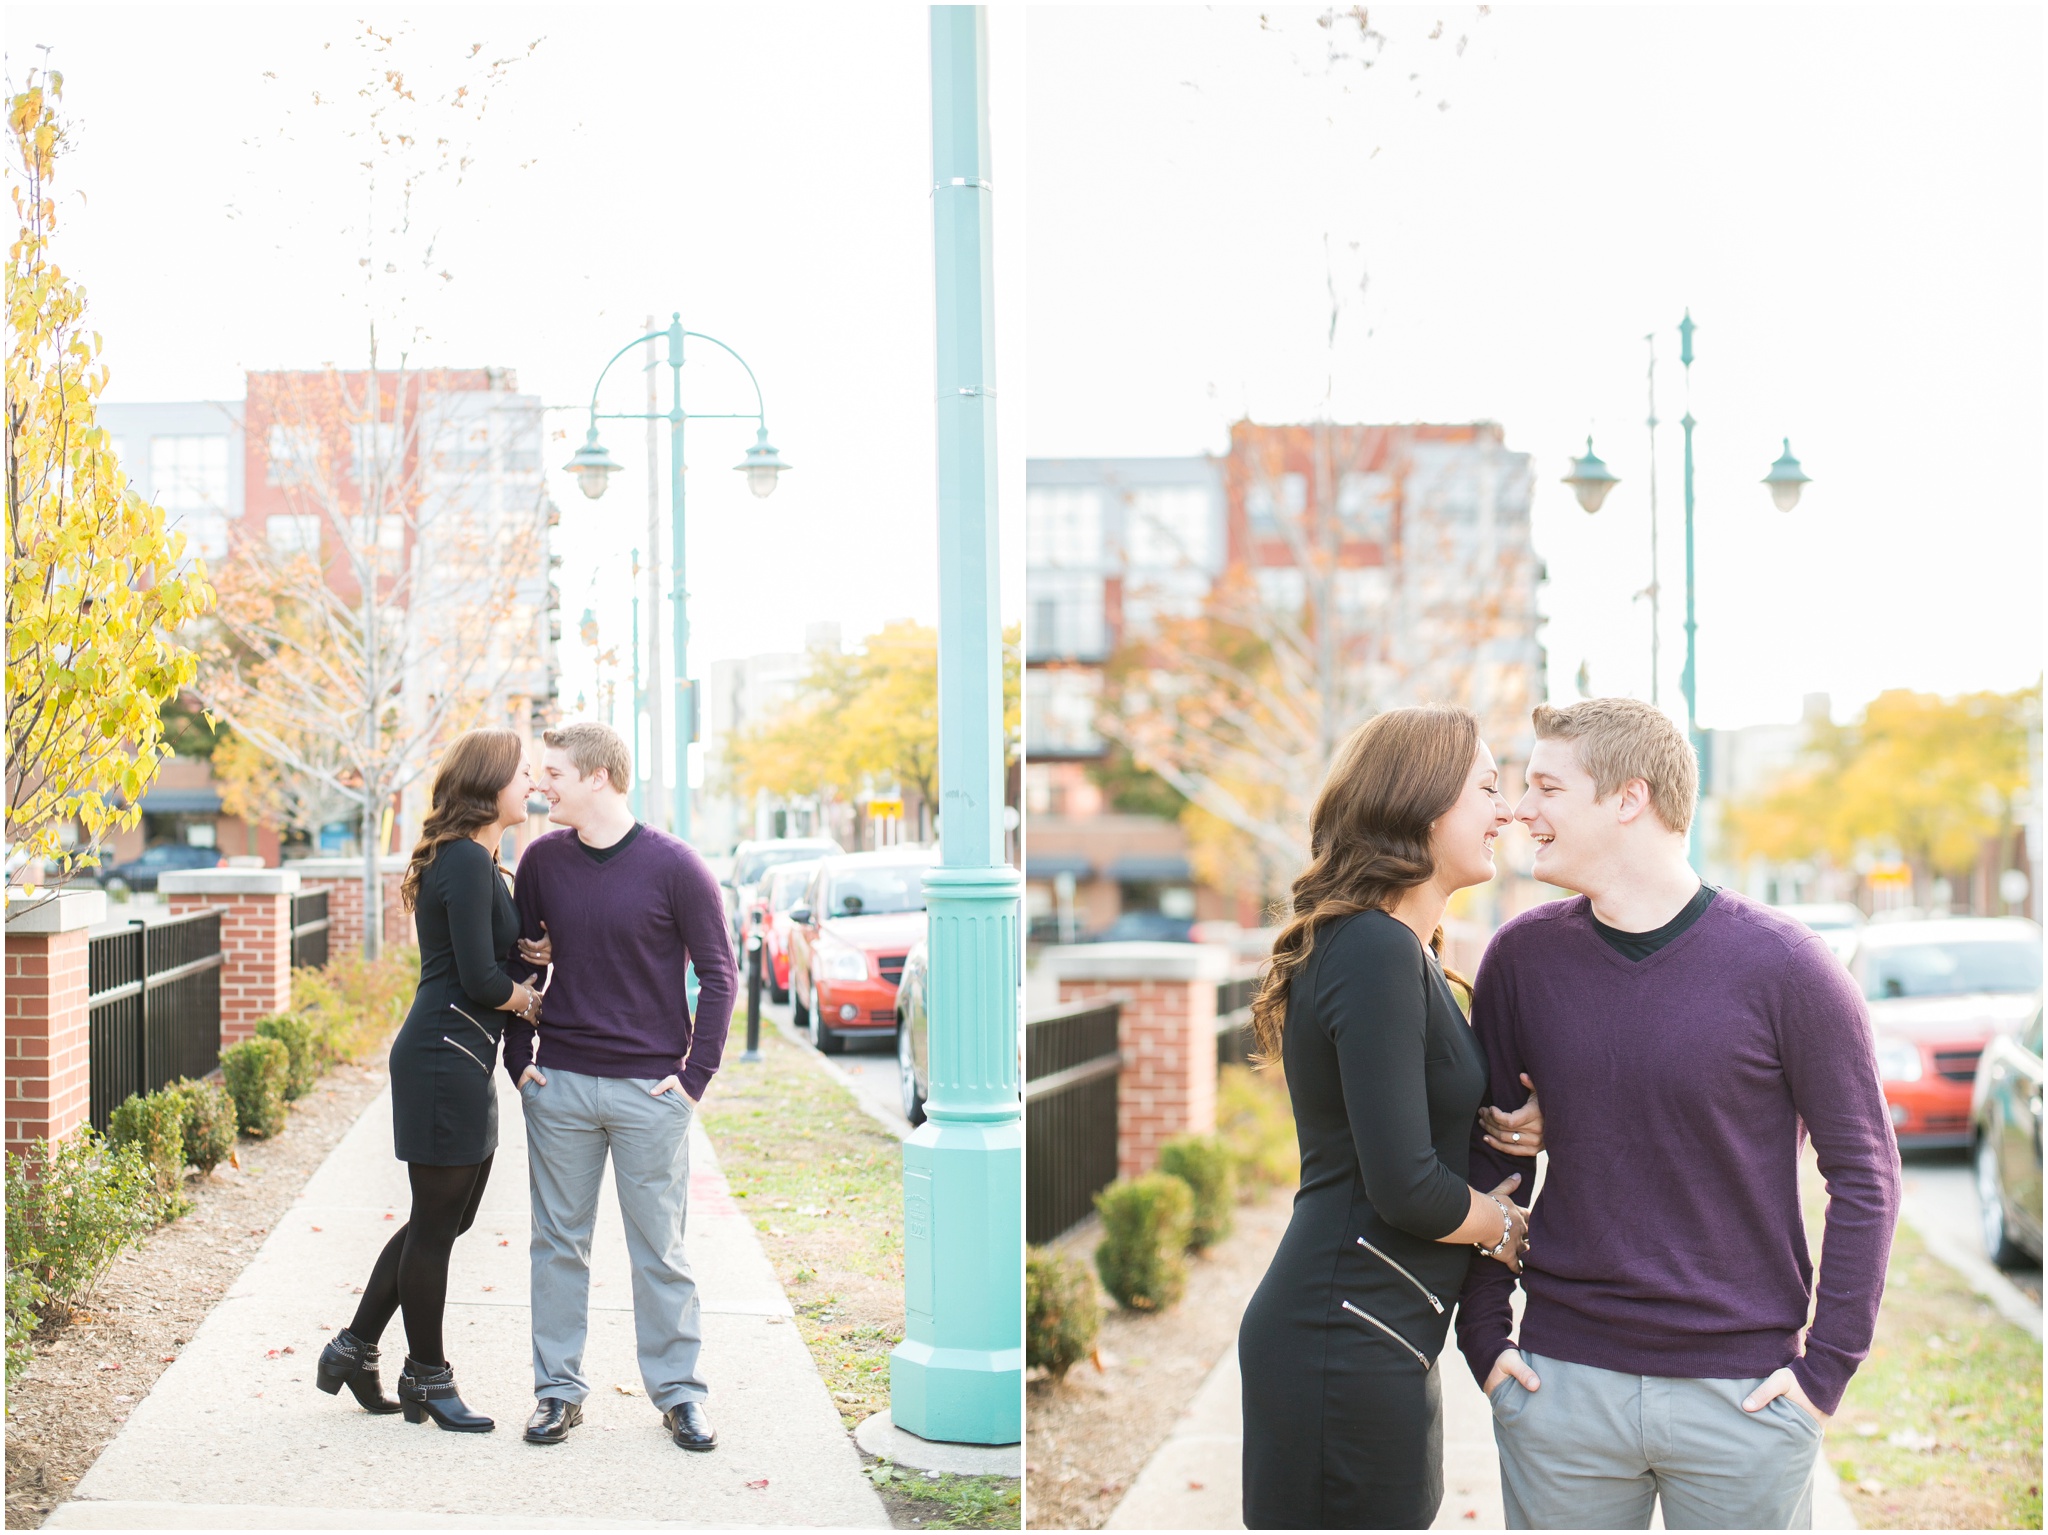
342, 879
49, 1075
1167, 1033
255, 957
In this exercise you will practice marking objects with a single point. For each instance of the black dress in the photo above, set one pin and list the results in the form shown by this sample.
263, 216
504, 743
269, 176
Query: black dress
1343, 1423
444, 1108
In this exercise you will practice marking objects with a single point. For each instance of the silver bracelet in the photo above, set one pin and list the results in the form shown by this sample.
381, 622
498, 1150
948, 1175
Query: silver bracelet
1507, 1230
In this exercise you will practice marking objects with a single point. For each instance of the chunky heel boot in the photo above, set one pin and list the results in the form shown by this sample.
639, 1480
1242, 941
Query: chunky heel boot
428, 1391
349, 1361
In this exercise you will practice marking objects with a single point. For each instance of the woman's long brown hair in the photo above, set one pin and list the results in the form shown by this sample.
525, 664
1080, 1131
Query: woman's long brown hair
1369, 836
466, 788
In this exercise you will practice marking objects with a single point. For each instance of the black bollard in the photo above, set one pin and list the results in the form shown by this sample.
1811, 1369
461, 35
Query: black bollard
754, 959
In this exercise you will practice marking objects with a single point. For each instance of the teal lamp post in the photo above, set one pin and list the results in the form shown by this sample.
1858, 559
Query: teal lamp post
1785, 480
594, 467
958, 1375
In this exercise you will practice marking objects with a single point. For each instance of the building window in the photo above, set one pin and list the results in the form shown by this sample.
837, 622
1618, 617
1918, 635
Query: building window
1282, 589
1066, 619
1063, 527
289, 535
1059, 712
1168, 526
1268, 501
377, 449
1365, 505
294, 456
190, 477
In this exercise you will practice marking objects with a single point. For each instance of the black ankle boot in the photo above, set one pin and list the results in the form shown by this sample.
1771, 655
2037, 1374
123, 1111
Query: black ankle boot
349, 1361
428, 1391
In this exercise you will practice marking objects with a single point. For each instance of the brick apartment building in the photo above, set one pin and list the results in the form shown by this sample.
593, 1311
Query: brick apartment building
1415, 536
231, 471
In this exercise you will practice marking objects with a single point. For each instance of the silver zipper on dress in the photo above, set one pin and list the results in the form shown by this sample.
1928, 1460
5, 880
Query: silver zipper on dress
458, 1044
1435, 1304
487, 1034
1420, 1357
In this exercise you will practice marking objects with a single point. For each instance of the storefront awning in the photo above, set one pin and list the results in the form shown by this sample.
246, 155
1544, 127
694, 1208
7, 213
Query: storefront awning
1150, 867
1053, 865
181, 802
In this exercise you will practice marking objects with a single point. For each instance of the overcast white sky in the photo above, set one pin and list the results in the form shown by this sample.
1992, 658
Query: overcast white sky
1849, 199
765, 170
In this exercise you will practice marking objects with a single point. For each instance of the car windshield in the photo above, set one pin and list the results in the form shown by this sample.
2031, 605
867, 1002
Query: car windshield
752, 866
867, 892
1951, 969
789, 884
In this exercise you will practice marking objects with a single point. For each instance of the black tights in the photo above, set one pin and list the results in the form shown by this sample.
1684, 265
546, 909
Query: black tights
412, 1271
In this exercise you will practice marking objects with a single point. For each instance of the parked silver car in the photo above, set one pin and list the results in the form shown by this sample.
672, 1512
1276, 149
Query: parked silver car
2005, 1142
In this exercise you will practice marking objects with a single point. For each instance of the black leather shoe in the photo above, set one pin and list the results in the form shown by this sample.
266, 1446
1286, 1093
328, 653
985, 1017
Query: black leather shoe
428, 1391
349, 1361
552, 1419
689, 1427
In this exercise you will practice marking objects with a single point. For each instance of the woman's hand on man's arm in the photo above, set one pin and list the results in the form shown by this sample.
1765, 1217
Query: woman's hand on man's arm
1518, 1133
1495, 1221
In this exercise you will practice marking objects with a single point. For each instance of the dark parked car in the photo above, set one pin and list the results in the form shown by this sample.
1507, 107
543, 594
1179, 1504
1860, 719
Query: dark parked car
165, 858
913, 1049
2005, 1136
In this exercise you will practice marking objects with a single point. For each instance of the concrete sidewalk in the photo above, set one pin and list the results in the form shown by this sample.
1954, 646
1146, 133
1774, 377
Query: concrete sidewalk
1193, 1481
234, 1435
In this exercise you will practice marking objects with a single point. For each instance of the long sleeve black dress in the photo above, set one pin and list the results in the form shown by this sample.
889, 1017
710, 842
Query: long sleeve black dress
444, 1108
1343, 1421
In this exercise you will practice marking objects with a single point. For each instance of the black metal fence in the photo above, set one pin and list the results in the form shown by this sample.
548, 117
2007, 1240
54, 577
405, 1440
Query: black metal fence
1071, 1062
1235, 1042
153, 1009
309, 929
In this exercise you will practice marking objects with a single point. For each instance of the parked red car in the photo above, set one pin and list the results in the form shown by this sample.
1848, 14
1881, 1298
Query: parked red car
849, 933
777, 894
1938, 992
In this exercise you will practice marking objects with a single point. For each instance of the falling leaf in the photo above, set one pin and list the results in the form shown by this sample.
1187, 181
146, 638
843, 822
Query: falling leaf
1194, 1486
168, 1358
110, 1364
316, 1228
505, 1244
389, 1216
270, 1353
289, 1349
758, 1483
1470, 1513
627, 1390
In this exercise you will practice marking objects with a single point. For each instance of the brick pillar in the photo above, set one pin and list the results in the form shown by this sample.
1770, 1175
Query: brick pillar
1167, 1032
342, 879
49, 1064
255, 938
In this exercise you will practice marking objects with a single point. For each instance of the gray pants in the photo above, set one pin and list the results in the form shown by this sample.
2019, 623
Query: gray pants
571, 1123
1594, 1450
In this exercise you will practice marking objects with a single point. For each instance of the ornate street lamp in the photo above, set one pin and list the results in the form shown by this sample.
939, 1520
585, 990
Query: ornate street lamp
761, 465
1590, 480
1786, 479
593, 468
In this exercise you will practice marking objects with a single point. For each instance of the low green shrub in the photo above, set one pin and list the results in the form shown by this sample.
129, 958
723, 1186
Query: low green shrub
1206, 1166
154, 1124
209, 1122
25, 1297
1255, 1119
1145, 1223
255, 1072
1061, 1313
354, 1004
71, 1208
301, 1042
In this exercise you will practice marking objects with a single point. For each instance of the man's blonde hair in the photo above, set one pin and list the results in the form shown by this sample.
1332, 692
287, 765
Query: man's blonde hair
1622, 738
592, 746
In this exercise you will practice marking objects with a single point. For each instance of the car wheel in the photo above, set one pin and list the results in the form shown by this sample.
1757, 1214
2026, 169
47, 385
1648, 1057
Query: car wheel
828, 1043
775, 993
906, 1072
1999, 1246
801, 1016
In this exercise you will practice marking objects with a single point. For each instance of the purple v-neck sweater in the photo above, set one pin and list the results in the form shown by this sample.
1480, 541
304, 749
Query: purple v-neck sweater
1667, 1239
623, 932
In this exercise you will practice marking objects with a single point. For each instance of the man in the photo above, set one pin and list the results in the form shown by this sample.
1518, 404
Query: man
619, 1069
1684, 1040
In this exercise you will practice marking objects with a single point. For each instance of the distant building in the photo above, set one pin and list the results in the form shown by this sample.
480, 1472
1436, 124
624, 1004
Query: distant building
738, 694
1424, 531
224, 472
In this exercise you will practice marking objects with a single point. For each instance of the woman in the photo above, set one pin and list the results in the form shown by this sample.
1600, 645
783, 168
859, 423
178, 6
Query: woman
443, 1101
1342, 1417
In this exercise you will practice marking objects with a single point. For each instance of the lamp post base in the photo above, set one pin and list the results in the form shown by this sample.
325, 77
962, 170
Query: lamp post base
958, 1375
